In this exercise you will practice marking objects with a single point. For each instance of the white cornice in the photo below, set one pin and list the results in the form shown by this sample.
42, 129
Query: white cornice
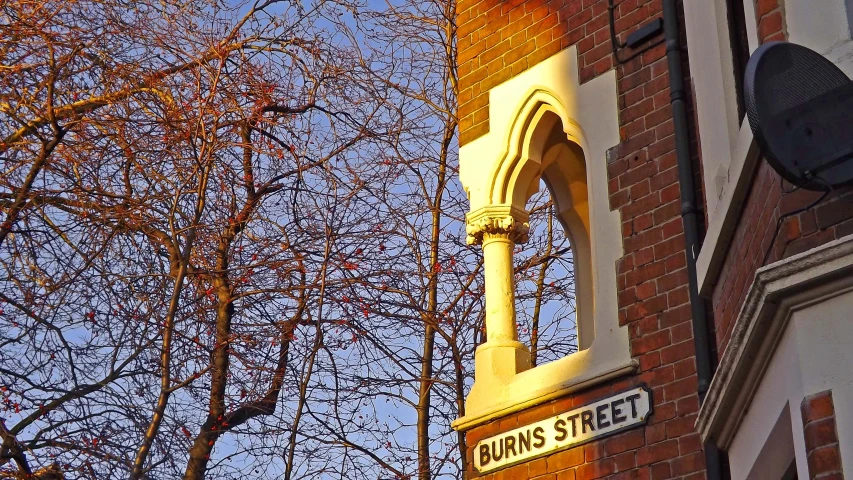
778, 290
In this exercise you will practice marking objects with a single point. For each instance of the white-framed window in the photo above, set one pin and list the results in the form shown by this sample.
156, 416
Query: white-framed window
721, 34
715, 32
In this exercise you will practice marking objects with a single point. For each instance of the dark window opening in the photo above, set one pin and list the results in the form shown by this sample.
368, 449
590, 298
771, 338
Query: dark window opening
740, 48
791, 473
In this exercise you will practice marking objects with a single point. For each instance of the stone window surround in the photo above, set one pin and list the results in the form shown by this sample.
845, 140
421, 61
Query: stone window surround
498, 170
778, 450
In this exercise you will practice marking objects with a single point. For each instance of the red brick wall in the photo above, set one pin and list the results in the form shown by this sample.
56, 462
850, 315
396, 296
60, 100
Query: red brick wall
822, 448
750, 245
771, 20
666, 448
498, 40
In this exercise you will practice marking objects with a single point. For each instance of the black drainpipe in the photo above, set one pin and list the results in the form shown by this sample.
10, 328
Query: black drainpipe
690, 217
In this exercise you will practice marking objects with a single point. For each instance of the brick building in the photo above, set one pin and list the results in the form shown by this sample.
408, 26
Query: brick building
712, 297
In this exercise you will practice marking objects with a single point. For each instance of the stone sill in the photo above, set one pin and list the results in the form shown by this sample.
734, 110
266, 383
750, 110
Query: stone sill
557, 385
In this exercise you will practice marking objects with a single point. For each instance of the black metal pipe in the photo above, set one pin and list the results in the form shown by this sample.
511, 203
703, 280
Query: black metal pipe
690, 216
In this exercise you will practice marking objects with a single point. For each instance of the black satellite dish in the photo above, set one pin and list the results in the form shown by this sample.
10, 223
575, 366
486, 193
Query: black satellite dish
800, 109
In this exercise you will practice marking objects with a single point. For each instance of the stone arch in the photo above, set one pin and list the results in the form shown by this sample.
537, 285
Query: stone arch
544, 125
546, 146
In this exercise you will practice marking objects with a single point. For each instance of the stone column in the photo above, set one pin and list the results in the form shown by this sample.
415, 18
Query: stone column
500, 285
498, 229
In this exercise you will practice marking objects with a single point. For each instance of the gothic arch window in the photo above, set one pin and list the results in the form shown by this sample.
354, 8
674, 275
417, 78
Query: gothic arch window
548, 135
558, 205
546, 298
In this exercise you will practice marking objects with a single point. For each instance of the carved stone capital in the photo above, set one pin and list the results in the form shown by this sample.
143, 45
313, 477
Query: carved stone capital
497, 221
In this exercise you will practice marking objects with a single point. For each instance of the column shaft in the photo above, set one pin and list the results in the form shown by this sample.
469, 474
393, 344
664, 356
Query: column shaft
500, 288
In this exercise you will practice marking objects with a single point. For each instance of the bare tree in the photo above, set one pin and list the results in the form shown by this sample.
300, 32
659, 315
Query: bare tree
414, 308
156, 254
232, 242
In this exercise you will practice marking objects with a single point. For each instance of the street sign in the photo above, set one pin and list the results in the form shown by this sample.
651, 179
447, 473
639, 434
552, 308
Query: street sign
578, 426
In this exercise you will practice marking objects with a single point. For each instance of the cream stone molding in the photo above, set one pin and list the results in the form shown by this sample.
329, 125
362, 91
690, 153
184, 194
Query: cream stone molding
543, 124
497, 220
779, 290
523, 400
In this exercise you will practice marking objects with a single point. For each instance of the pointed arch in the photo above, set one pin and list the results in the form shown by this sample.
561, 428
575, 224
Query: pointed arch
545, 126
533, 124
542, 147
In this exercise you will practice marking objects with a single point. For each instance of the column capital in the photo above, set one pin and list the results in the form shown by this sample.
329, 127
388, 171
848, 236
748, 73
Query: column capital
497, 220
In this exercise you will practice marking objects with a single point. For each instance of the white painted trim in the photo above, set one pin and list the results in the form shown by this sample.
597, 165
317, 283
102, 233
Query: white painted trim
729, 154
714, 86
776, 449
812, 356
822, 26
723, 223
778, 291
